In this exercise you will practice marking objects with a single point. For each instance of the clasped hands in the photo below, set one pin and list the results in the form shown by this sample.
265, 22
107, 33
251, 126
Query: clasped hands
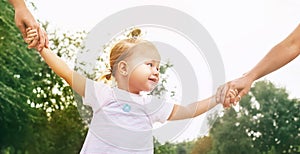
227, 96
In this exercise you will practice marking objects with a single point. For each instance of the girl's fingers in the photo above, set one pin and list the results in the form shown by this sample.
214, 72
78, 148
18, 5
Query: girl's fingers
28, 40
226, 104
31, 35
237, 99
34, 42
240, 95
31, 31
232, 96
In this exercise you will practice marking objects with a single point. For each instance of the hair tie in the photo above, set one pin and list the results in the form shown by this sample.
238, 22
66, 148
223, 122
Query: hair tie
108, 76
135, 33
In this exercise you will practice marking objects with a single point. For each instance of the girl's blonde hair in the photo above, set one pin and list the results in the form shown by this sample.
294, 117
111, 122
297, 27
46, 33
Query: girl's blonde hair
121, 50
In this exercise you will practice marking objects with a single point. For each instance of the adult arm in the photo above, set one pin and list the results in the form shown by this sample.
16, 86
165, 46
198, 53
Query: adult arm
24, 19
277, 57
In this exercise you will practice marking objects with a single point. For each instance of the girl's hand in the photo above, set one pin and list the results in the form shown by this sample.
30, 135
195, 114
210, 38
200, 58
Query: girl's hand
30, 37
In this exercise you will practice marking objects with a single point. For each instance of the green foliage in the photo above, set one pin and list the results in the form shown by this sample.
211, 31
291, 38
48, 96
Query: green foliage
18, 120
33, 98
185, 147
202, 145
277, 119
65, 131
268, 122
160, 89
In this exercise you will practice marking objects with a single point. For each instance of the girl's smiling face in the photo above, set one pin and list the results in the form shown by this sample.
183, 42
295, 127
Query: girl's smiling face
143, 68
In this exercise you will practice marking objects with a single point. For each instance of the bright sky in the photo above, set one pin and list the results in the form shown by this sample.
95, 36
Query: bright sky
244, 31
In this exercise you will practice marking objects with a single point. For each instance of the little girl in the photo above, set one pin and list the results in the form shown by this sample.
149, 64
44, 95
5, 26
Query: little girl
122, 118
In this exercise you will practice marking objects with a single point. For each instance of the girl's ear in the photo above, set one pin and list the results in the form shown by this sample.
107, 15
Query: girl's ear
123, 68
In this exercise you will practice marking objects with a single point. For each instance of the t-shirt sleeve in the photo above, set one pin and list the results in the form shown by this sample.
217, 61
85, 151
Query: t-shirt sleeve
161, 110
96, 94
165, 112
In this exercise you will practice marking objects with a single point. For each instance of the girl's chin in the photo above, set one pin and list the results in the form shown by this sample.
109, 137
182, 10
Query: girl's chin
149, 89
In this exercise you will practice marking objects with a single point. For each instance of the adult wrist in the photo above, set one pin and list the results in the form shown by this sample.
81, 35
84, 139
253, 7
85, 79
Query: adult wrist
250, 76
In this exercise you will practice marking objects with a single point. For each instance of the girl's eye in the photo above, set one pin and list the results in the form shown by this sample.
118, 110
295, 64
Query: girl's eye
150, 64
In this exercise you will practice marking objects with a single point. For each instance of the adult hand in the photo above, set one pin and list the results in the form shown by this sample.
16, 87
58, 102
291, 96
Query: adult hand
31, 35
43, 42
242, 85
23, 20
225, 95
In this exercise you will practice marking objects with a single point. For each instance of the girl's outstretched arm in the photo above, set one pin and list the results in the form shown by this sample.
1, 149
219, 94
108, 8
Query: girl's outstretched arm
74, 79
192, 110
195, 109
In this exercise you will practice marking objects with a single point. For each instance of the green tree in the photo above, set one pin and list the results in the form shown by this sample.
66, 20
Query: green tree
19, 117
32, 96
185, 147
65, 131
166, 148
268, 122
275, 122
202, 145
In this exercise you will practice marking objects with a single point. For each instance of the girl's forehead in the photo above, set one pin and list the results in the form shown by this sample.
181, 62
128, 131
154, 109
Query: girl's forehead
145, 51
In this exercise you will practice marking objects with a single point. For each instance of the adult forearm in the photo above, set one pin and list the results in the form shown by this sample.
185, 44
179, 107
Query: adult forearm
279, 56
17, 3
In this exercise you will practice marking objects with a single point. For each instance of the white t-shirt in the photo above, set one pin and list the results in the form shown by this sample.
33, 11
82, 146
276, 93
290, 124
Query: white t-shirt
122, 121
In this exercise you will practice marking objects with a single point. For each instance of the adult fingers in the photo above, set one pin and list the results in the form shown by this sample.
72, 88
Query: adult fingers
226, 102
224, 97
240, 95
41, 40
218, 94
46, 39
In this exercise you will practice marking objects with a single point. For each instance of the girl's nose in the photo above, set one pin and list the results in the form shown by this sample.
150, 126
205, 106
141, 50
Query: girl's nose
155, 71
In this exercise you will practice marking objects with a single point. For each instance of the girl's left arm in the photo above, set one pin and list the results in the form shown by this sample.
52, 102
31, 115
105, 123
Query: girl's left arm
192, 110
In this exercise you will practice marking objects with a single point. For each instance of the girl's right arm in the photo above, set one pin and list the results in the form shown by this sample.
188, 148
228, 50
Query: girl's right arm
74, 79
